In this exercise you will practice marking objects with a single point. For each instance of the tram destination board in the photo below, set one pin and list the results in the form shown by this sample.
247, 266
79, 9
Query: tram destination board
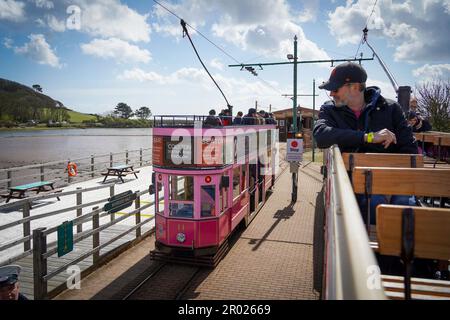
120, 201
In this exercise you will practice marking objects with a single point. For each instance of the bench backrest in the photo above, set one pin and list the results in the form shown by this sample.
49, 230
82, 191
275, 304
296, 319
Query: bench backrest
352, 160
402, 181
431, 231
437, 138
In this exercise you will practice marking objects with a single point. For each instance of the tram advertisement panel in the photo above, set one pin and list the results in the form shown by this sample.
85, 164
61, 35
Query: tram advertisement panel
158, 150
180, 152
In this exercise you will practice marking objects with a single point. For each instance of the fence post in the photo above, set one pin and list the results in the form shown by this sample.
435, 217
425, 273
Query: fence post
138, 214
111, 194
126, 157
110, 159
39, 263
92, 165
42, 172
26, 226
69, 178
95, 236
140, 156
8, 176
80, 210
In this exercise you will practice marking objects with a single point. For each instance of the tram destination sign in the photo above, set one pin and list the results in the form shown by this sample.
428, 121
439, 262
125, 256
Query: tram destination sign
120, 201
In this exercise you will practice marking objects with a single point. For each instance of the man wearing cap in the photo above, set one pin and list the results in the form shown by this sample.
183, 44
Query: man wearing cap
9, 283
360, 119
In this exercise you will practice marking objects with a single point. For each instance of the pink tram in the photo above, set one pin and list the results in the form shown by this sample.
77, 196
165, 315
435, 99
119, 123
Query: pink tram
206, 181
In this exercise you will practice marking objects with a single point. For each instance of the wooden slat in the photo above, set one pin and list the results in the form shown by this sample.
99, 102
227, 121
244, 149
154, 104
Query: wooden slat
404, 181
431, 233
382, 160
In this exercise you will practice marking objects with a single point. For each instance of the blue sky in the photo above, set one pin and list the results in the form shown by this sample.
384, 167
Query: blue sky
108, 51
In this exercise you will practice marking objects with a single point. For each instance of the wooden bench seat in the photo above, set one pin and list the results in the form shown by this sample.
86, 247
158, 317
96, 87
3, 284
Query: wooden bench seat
414, 232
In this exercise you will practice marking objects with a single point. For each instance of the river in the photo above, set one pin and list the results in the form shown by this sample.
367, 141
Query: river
22, 147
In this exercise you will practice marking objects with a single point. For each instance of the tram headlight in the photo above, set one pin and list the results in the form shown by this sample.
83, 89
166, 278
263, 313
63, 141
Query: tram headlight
181, 237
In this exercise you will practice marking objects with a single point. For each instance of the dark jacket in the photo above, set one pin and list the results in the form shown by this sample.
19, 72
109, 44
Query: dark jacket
422, 126
338, 125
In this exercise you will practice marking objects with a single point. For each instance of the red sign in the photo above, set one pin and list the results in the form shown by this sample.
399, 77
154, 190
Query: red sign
294, 144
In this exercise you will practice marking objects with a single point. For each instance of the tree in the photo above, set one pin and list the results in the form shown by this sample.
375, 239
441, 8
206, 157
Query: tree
143, 113
123, 110
37, 87
433, 99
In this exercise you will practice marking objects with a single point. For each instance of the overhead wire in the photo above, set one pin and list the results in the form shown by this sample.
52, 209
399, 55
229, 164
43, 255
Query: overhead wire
367, 22
215, 45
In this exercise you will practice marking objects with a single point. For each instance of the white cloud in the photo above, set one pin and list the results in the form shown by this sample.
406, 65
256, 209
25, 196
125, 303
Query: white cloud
111, 19
414, 28
117, 49
12, 10
215, 63
7, 42
55, 24
432, 72
46, 4
142, 76
39, 50
266, 27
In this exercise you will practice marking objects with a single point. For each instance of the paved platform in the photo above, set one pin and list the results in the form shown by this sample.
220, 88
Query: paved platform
279, 256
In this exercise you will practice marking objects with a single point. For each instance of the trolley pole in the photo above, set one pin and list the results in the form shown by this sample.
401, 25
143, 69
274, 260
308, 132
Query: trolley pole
294, 120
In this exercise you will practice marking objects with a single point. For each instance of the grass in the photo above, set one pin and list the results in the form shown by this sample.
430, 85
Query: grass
77, 117
318, 156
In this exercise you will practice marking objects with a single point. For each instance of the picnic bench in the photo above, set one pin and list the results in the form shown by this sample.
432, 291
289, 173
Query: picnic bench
18, 192
120, 171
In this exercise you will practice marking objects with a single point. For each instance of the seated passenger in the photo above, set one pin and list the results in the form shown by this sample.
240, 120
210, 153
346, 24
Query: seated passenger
360, 119
212, 119
250, 117
417, 123
238, 120
226, 117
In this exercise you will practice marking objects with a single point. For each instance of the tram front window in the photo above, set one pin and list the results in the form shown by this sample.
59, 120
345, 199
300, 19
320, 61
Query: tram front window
208, 201
181, 188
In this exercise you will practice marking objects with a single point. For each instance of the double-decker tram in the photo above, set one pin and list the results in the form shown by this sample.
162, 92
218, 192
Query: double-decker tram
206, 181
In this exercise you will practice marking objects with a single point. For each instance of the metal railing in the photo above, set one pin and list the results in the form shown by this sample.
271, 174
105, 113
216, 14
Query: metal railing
351, 269
88, 168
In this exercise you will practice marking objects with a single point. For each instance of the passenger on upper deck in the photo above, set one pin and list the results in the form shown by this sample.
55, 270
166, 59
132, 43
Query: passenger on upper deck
260, 116
361, 120
212, 119
250, 117
238, 120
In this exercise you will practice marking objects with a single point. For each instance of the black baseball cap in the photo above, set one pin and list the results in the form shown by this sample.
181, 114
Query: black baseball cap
347, 72
9, 274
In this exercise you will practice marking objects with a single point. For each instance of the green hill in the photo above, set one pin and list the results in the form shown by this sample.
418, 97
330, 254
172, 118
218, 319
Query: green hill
20, 103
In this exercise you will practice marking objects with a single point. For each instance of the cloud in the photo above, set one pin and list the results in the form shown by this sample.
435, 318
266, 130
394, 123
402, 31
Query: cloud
111, 19
432, 72
12, 10
55, 24
266, 27
7, 42
413, 28
117, 49
46, 4
215, 63
37, 49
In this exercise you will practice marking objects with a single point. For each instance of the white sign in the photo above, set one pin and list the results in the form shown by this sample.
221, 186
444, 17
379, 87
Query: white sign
294, 150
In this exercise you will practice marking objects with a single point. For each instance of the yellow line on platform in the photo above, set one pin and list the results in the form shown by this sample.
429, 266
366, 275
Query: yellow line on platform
142, 215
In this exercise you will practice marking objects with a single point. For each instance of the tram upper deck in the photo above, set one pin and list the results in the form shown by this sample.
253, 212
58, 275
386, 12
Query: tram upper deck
186, 142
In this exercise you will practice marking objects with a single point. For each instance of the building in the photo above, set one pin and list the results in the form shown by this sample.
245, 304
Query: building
284, 121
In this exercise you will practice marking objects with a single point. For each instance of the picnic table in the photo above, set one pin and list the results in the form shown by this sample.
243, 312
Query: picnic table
120, 171
35, 186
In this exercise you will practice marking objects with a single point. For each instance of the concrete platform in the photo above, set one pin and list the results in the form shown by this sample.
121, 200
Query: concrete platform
279, 256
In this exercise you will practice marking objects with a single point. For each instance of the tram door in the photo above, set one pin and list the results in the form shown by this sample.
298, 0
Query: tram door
253, 186
260, 182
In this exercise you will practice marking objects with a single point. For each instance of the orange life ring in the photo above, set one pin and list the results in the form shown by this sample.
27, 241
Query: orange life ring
72, 169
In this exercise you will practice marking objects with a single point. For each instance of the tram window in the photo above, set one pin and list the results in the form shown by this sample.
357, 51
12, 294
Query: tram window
244, 172
208, 201
181, 188
160, 195
236, 184
182, 210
